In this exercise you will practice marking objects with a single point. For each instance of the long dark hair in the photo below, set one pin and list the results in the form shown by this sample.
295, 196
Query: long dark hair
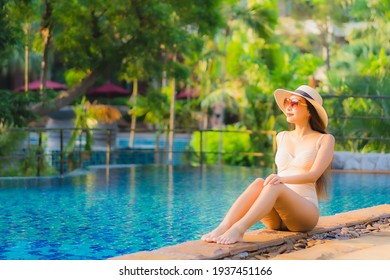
324, 182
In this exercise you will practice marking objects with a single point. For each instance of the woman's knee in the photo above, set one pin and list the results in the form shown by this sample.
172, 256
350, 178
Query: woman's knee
257, 184
258, 181
273, 188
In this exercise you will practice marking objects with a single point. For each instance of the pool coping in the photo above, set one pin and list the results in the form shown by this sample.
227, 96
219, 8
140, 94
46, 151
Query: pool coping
361, 171
258, 240
93, 167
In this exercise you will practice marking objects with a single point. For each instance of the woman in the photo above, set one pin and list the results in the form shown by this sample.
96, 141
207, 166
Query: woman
289, 199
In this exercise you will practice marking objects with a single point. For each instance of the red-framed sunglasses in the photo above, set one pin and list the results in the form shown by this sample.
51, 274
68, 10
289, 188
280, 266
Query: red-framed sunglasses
293, 102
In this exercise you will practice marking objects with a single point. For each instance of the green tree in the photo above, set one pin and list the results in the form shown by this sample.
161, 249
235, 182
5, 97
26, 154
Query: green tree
7, 34
219, 72
154, 108
87, 117
97, 36
14, 108
325, 14
362, 68
23, 16
236, 147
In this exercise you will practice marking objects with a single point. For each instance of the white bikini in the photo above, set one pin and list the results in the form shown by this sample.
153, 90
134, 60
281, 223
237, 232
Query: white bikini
302, 162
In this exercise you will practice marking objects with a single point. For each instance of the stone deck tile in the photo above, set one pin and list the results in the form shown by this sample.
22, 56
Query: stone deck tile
199, 250
380, 249
143, 255
266, 238
259, 239
365, 215
374, 246
326, 251
355, 217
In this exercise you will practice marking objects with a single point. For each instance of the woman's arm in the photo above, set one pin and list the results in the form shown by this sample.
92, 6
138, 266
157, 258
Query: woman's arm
321, 163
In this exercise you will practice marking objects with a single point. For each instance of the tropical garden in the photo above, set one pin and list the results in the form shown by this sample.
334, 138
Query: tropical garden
231, 55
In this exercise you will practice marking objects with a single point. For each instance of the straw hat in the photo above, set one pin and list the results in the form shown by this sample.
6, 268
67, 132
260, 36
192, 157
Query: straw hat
310, 94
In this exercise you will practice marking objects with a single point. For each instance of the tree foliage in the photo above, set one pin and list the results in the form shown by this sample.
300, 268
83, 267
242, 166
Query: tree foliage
362, 67
7, 34
101, 38
232, 52
15, 108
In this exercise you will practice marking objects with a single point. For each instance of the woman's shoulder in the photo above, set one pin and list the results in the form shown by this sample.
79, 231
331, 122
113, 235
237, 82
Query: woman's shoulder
280, 135
325, 136
321, 137
327, 139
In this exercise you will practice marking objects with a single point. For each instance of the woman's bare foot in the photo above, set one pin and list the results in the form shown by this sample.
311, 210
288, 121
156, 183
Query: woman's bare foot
212, 235
231, 236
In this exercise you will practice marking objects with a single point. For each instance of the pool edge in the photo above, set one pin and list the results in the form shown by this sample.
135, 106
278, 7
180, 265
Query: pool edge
258, 239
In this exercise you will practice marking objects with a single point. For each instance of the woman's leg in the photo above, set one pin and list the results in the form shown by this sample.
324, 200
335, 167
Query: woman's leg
297, 213
273, 221
239, 208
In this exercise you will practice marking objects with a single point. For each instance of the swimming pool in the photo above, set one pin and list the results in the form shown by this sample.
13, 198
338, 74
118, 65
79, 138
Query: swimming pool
98, 215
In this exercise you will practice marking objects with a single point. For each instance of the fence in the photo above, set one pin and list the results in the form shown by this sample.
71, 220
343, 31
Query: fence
360, 123
46, 151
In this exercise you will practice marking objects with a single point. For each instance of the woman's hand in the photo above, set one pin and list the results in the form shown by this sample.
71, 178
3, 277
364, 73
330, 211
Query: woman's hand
273, 179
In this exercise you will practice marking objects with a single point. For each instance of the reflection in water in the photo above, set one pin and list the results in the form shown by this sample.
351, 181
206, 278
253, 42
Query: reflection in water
90, 189
107, 175
132, 187
170, 196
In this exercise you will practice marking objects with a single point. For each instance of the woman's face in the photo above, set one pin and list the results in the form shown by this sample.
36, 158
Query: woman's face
296, 109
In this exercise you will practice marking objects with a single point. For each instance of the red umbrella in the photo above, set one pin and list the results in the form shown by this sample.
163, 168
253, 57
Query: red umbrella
188, 93
36, 86
108, 90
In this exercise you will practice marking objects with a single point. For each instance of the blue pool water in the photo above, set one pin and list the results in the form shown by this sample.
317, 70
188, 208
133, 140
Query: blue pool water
99, 215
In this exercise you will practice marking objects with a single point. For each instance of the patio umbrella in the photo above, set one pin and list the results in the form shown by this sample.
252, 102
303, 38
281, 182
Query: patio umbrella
108, 90
33, 86
187, 93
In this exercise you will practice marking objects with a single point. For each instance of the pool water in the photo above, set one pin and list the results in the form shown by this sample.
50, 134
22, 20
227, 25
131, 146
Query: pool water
100, 214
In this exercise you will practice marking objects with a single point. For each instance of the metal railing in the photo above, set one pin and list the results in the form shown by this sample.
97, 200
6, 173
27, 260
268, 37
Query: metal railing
59, 156
367, 134
41, 153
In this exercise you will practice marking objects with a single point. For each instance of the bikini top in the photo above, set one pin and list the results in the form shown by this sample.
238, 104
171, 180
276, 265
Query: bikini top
302, 161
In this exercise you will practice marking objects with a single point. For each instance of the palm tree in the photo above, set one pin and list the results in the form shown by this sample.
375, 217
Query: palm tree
23, 13
155, 108
260, 18
87, 117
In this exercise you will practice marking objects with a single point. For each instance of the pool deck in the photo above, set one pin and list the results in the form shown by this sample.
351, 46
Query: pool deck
374, 244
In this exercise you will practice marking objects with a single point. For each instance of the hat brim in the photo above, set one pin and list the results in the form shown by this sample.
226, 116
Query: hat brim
281, 94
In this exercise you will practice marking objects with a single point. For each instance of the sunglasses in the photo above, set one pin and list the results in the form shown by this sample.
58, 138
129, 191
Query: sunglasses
293, 102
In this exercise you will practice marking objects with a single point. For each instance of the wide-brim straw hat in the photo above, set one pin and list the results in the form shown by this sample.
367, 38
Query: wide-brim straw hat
309, 93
